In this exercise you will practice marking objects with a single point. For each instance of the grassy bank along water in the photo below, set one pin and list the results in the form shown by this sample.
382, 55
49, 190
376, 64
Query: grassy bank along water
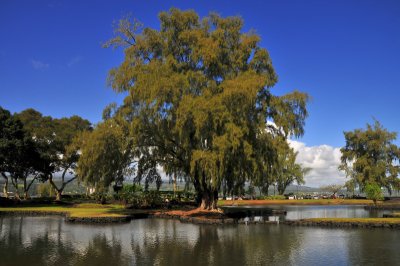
393, 223
296, 202
109, 213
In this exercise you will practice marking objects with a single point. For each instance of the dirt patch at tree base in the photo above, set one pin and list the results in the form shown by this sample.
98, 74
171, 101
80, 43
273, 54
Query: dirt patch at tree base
200, 216
195, 216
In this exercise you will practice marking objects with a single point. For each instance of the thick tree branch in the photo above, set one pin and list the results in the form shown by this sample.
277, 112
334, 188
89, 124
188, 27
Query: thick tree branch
30, 184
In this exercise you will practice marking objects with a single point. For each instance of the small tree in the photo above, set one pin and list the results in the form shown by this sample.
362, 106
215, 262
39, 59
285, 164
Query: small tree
287, 170
370, 156
332, 188
373, 192
105, 157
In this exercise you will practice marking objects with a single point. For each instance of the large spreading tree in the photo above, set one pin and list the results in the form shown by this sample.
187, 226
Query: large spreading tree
370, 158
199, 98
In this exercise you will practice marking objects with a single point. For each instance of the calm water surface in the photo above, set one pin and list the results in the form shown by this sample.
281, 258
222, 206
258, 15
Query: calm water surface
306, 211
51, 241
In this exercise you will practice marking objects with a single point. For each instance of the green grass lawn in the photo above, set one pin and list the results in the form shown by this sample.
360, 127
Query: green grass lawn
78, 210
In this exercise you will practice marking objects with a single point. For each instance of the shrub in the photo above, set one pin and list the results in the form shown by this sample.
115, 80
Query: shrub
188, 196
130, 194
131, 188
101, 197
134, 196
277, 197
373, 192
151, 199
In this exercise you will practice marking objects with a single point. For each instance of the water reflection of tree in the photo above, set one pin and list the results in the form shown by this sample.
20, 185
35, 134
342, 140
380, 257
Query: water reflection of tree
10, 243
160, 242
101, 251
19, 247
40, 250
260, 244
227, 245
373, 247
176, 249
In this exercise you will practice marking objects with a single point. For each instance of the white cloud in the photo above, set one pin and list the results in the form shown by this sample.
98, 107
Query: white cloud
36, 64
75, 60
323, 161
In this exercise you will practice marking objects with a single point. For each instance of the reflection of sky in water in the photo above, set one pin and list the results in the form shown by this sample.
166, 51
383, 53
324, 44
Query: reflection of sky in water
260, 213
302, 212
169, 242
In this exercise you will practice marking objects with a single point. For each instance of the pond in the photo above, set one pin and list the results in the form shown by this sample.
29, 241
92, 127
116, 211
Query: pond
51, 241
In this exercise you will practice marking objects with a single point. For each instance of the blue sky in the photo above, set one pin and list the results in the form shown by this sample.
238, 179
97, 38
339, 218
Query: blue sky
345, 54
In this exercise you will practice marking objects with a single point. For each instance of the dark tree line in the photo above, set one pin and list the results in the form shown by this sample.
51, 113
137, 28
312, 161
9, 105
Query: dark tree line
35, 147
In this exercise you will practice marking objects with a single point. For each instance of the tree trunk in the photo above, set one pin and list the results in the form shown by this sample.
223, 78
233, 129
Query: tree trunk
174, 186
26, 195
27, 187
5, 189
209, 200
15, 183
58, 195
224, 190
265, 190
5, 186
60, 190
56, 189
281, 189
